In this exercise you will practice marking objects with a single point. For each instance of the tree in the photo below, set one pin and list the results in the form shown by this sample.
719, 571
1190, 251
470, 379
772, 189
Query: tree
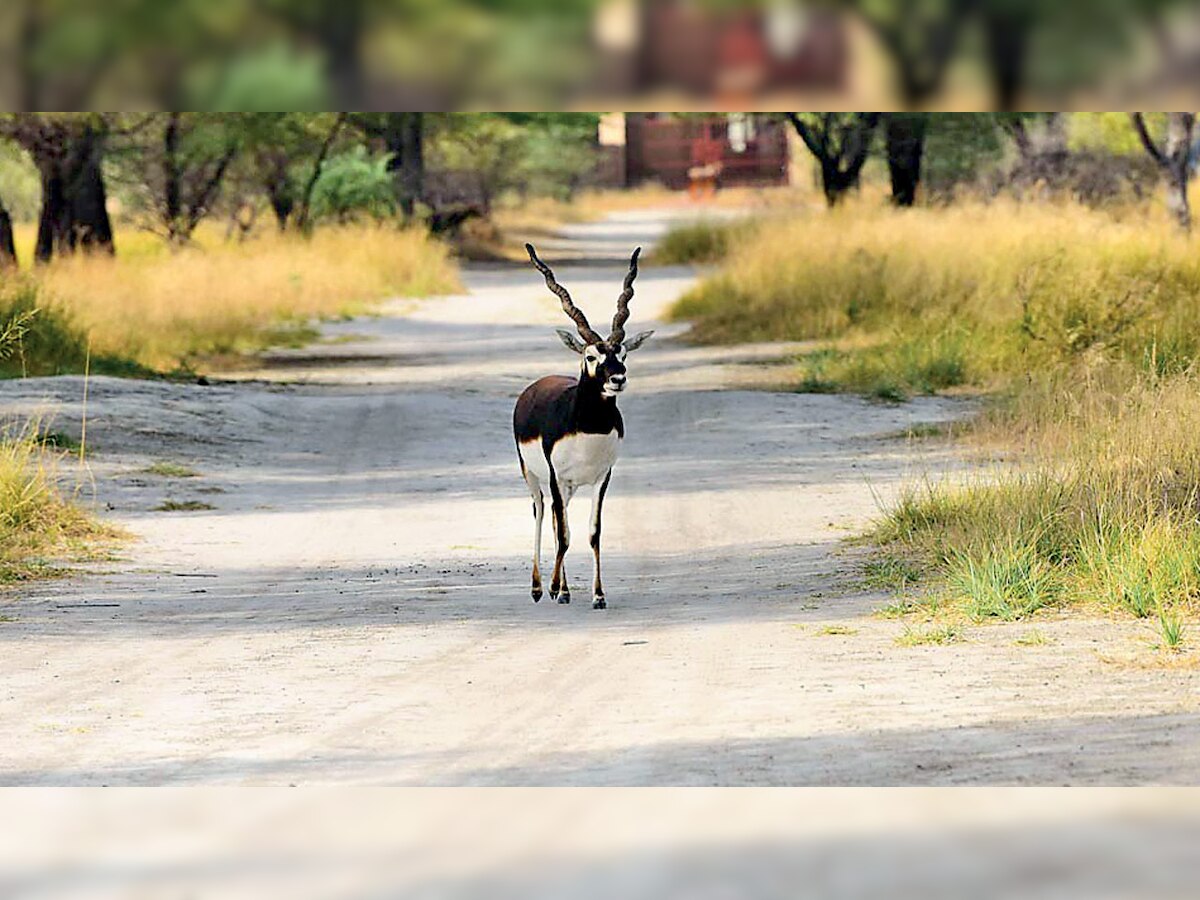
840, 142
304, 205
8, 249
402, 135
920, 37
904, 137
68, 150
277, 150
1172, 159
176, 163
560, 151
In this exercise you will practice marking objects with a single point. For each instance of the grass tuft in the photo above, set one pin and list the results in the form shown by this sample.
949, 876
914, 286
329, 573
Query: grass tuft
702, 241
1031, 638
39, 527
837, 630
936, 635
170, 470
183, 506
1007, 583
1172, 631
890, 573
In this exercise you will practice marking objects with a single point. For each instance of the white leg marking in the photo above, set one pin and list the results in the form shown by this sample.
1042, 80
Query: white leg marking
597, 589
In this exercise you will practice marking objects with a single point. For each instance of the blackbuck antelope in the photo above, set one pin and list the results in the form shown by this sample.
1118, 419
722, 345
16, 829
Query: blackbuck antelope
569, 430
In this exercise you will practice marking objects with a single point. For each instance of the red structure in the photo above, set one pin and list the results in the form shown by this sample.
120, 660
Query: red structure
676, 151
730, 51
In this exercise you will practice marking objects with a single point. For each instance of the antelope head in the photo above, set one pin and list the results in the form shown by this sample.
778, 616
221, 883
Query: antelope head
603, 358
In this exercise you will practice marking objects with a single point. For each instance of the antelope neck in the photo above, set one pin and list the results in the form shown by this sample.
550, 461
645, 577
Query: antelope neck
593, 413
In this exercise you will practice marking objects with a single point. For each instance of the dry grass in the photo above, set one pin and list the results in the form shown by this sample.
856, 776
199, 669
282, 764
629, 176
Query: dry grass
968, 294
40, 529
513, 223
1101, 511
162, 310
1086, 328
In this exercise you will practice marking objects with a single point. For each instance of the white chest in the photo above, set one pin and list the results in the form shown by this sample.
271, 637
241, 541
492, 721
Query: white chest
584, 458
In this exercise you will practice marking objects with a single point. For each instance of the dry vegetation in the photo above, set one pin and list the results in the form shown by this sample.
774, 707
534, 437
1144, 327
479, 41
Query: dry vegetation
511, 224
151, 309
40, 528
1085, 329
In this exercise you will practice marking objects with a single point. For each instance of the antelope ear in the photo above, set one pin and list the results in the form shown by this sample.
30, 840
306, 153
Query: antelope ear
570, 340
637, 340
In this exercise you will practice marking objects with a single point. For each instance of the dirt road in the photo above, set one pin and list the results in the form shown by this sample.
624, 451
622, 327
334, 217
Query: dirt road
354, 608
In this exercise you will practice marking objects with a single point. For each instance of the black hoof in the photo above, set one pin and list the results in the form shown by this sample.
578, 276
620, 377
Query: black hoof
536, 594
564, 597
599, 603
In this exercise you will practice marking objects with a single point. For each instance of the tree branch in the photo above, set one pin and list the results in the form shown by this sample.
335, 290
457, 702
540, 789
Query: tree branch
815, 146
1139, 125
306, 197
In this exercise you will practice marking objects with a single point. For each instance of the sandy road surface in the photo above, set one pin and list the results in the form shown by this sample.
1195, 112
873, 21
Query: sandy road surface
354, 608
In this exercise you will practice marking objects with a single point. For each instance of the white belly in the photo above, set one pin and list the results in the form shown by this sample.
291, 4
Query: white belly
578, 459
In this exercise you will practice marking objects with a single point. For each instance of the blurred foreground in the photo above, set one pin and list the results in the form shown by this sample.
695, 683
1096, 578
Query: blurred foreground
589, 54
660, 843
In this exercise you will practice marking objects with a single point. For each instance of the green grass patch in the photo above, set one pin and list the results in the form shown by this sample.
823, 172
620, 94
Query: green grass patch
59, 440
892, 573
837, 631
168, 469
183, 506
1101, 511
1006, 583
704, 241
1172, 630
891, 371
937, 635
1031, 638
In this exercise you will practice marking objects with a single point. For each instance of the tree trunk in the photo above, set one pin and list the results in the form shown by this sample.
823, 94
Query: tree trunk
1173, 160
841, 149
74, 206
8, 249
280, 191
835, 182
54, 218
1007, 33
340, 37
1177, 199
404, 139
304, 207
91, 227
282, 204
172, 188
1179, 145
905, 137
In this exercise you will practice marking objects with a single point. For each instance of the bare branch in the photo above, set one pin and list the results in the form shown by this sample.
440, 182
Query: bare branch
1139, 125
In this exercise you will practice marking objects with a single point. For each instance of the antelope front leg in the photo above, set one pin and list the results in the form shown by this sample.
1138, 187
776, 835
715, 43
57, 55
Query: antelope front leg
562, 537
594, 539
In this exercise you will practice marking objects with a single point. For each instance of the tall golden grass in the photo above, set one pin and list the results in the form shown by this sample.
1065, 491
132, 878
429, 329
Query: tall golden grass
162, 310
1085, 328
